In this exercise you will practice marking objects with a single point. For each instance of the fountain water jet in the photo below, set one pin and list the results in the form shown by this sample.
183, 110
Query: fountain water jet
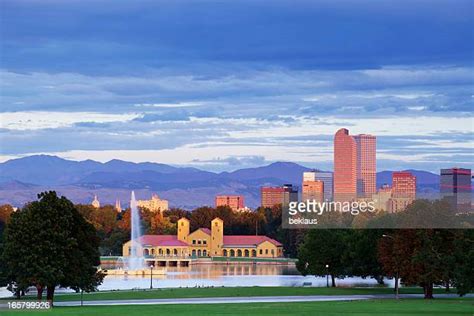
135, 262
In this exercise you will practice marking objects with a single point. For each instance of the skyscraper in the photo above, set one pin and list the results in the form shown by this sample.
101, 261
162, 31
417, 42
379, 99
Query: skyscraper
345, 166
271, 196
403, 190
327, 179
455, 186
366, 165
312, 190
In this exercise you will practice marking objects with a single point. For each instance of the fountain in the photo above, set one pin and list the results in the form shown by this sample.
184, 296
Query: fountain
135, 261
134, 264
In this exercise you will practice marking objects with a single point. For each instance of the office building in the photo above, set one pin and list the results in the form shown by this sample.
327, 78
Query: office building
312, 190
403, 190
345, 166
235, 202
327, 179
456, 187
366, 165
271, 196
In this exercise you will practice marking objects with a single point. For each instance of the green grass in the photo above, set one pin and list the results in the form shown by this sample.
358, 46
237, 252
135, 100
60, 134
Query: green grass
232, 292
360, 308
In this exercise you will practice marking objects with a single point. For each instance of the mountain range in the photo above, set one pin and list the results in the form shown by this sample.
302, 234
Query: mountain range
21, 179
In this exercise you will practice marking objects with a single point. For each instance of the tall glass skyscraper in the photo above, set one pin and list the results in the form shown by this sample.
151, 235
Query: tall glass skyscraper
455, 186
355, 167
345, 166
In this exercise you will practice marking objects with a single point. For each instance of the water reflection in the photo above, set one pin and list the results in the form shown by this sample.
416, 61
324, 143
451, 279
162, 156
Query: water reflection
206, 275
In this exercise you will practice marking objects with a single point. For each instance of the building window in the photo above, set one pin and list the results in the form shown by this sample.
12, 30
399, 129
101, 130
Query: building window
204, 253
246, 252
261, 251
232, 253
239, 253
194, 241
266, 251
254, 253
225, 252
199, 241
204, 242
175, 252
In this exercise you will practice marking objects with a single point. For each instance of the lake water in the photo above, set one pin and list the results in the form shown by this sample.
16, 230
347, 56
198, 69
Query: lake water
206, 275
233, 275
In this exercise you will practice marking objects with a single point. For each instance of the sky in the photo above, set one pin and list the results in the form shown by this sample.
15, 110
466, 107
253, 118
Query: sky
223, 85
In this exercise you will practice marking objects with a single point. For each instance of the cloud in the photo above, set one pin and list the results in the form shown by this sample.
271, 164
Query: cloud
34, 120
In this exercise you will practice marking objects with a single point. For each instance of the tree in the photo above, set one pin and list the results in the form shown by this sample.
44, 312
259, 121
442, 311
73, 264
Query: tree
362, 254
323, 248
463, 274
47, 244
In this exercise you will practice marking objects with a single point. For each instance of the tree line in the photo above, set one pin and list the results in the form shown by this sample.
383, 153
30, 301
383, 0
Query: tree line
421, 257
52, 242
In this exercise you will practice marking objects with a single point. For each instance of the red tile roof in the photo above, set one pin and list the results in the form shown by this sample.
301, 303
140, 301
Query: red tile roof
248, 240
236, 240
161, 240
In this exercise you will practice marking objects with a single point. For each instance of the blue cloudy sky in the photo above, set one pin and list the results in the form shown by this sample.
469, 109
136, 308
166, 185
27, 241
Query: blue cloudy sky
223, 85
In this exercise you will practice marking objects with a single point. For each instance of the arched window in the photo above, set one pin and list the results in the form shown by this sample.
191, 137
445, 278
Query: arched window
239, 253
199, 253
246, 252
153, 251
160, 252
147, 252
193, 253
225, 252
175, 252
254, 253
204, 253
168, 252
232, 253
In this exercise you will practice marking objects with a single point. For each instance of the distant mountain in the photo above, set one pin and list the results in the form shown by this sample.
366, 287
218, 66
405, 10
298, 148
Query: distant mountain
52, 170
288, 171
21, 179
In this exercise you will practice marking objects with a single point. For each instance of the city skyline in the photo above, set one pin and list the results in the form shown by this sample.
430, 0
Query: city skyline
257, 88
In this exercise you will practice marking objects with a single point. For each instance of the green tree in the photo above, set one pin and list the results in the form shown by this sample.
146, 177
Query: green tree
324, 252
362, 254
44, 242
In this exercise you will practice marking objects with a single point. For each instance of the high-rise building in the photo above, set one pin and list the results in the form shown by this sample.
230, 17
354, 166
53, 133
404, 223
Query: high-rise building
403, 184
382, 197
345, 166
312, 190
235, 202
327, 179
271, 196
403, 190
455, 186
366, 165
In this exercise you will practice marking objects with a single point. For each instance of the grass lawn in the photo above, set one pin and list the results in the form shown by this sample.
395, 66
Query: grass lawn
234, 292
372, 307
231, 292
